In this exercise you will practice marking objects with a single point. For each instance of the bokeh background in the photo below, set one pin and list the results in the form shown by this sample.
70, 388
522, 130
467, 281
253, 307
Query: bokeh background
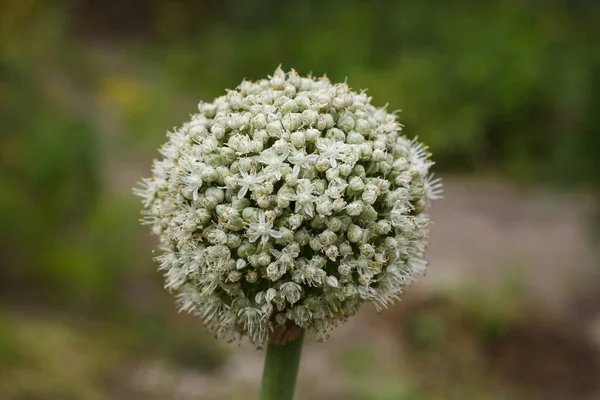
506, 93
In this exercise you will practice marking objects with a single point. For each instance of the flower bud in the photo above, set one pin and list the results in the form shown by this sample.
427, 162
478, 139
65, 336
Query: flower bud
234, 276
208, 174
291, 122
315, 244
355, 208
309, 117
345, 249
355, 233
339, 204
335, 224
324, 206
302, 237
246, 249
290, 106
233, 241
294, 221
382, 227
356, 184
346, 122
332, 252
303, 102
344, 270
250, 214
361, 126
320, 185
274, 129
366, 151
217, 236
379, 155
324, 122
264, 259
332, 174
359, 171
327, 237
235, 224
322, 164
355, 138
336, 134
280, 146
287, 236
259, 121
273, 272
218, 132
312, 135
318, 222
291, 291
366, 250
298, 139
369, 196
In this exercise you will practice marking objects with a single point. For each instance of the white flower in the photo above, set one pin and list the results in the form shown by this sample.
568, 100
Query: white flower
262, 229
336, 187
248, 181
286, 200
332, 150
300, 159
286, 256
305, 199
275, 164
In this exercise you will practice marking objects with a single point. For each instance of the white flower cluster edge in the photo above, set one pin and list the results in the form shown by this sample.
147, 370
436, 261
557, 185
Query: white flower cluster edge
288, 199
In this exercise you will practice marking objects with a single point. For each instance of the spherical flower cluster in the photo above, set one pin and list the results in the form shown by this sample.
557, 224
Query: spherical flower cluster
288, 200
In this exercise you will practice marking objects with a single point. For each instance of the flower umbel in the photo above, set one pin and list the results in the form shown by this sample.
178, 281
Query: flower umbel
290, 200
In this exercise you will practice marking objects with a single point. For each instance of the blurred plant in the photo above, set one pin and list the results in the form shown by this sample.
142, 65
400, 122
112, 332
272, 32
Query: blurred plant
63, 352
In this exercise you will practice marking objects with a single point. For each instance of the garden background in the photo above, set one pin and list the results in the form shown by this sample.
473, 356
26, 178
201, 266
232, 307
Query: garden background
506, 93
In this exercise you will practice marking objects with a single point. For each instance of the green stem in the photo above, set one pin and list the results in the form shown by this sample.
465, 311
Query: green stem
281, 370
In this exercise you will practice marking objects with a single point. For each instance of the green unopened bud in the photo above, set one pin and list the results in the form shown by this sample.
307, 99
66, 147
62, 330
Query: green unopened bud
235, 224
233, 241
315, 244
318, 222
216, 193
246, 249
287, 236
332, 252
250, 214
345, 249
274, 129
355, 208
356, 184
355, 233
327, 237
298, 139
312, 135
234, 276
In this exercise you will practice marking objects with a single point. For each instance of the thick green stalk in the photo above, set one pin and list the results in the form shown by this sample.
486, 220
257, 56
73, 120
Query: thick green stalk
281, 369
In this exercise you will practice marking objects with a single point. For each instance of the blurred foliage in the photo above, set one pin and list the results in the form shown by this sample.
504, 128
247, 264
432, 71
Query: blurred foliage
63, 366
87, 90
506, 86
474, 342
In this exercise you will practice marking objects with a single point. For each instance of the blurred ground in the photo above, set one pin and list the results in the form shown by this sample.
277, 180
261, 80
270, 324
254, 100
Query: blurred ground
506, 94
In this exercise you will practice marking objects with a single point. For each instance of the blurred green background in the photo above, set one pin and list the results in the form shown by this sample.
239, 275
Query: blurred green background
506, 93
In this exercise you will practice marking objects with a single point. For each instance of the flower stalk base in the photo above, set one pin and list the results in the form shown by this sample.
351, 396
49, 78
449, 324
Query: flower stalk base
281, 365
